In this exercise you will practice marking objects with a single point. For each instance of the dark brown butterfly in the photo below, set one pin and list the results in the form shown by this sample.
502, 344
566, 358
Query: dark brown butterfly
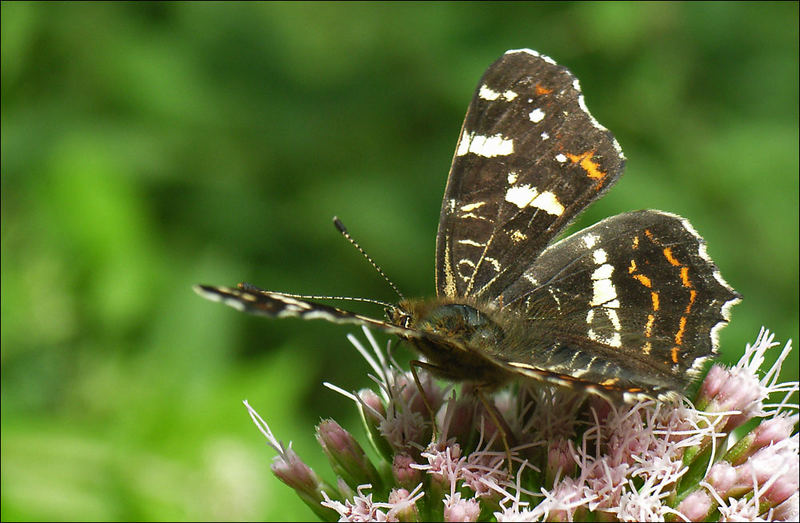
628, 308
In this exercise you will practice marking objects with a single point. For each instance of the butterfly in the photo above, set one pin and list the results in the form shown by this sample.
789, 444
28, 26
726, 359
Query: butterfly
628, 308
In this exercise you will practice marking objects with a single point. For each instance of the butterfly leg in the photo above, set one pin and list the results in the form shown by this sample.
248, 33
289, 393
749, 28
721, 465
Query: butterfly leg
413, 364
502, 426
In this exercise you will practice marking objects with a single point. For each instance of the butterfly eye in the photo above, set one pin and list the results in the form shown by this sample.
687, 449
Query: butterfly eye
398, 317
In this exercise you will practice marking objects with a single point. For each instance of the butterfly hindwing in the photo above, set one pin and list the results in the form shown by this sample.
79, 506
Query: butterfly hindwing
530, 158
633, 299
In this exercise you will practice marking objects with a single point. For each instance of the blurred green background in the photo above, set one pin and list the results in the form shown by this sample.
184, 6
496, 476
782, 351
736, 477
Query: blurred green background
148, 147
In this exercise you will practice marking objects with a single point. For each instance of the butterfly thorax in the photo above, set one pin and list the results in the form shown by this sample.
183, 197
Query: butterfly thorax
459, 338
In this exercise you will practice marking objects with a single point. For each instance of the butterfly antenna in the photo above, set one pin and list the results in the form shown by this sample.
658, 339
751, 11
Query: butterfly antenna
342, 229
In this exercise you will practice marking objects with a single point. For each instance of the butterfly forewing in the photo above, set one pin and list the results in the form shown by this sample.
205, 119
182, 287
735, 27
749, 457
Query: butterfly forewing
529, 158
249, 299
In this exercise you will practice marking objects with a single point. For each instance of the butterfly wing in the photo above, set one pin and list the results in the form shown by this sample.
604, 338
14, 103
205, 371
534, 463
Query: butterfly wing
633, 302
529, 159
279, 305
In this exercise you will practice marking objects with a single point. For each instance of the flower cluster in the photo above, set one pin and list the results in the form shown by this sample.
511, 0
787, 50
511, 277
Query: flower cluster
535, 453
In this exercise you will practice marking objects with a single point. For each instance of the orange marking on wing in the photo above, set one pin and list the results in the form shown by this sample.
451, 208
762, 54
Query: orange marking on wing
635, 242
632, 268
542, 90
610, 381
585, 161
670, 258
648, 329
681, 329
674, 352
647, 348
654, 297
692, 296
685, 277
644, 280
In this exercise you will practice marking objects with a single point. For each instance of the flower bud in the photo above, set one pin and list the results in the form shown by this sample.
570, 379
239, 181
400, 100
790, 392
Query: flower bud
373, 414
457, 509
403, 474
711, 385
290, 469
346, 456
376, 410
730, 390
696, 506
722, 476
789, 510
559, 461
344, 489
768, 432
405, 507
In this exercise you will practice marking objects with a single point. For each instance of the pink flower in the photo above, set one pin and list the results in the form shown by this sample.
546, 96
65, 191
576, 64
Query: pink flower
457, 509
573, 459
